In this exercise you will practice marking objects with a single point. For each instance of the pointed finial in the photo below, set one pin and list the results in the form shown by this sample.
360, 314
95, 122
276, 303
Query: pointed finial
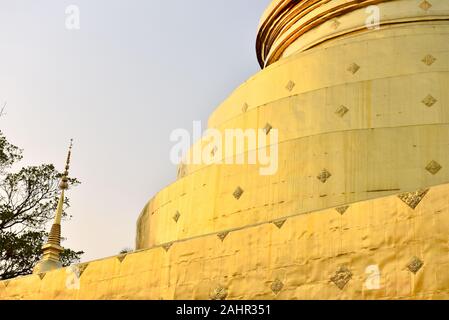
64, 185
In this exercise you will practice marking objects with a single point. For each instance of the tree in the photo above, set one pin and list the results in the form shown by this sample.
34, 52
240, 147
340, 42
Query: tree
28, 200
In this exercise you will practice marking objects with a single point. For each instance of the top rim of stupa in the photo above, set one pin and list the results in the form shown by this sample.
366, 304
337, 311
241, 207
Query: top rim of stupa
285, 21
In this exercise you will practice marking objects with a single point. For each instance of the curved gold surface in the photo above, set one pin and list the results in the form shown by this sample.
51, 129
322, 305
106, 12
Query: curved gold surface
293, 26
388, 129
380, 205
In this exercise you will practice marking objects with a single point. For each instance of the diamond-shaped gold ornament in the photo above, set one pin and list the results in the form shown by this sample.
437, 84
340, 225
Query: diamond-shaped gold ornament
341, 277
429, 101
219, 293
342, 210
277, 286
415, 265
324, 176
267, 128
353, 68
222, 235
433, 167
121, 257
429, 60
425, 5
341, 111
290, 85
238, 193
279, 223
412, 199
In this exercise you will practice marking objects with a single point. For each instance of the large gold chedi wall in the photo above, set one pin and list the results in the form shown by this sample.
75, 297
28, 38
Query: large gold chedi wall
358, 208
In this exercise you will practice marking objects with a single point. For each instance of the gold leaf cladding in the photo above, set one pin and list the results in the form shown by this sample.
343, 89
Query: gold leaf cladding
277, 286
433, 167
415, 265
412, 199
245, 107
219, 293
42, 275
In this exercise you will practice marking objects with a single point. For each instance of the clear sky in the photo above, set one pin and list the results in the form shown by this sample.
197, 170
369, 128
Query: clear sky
132, 73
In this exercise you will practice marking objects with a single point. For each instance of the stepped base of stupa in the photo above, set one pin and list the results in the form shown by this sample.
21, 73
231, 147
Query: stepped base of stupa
293, 258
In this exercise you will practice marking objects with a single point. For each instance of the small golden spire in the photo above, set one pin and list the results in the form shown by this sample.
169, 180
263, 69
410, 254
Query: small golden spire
52, 249
64, 185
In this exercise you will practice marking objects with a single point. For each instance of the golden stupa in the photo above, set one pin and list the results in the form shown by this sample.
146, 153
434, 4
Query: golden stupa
359, 206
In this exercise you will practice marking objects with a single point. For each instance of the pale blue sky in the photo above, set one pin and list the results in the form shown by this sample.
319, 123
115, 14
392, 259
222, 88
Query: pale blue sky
135, 71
